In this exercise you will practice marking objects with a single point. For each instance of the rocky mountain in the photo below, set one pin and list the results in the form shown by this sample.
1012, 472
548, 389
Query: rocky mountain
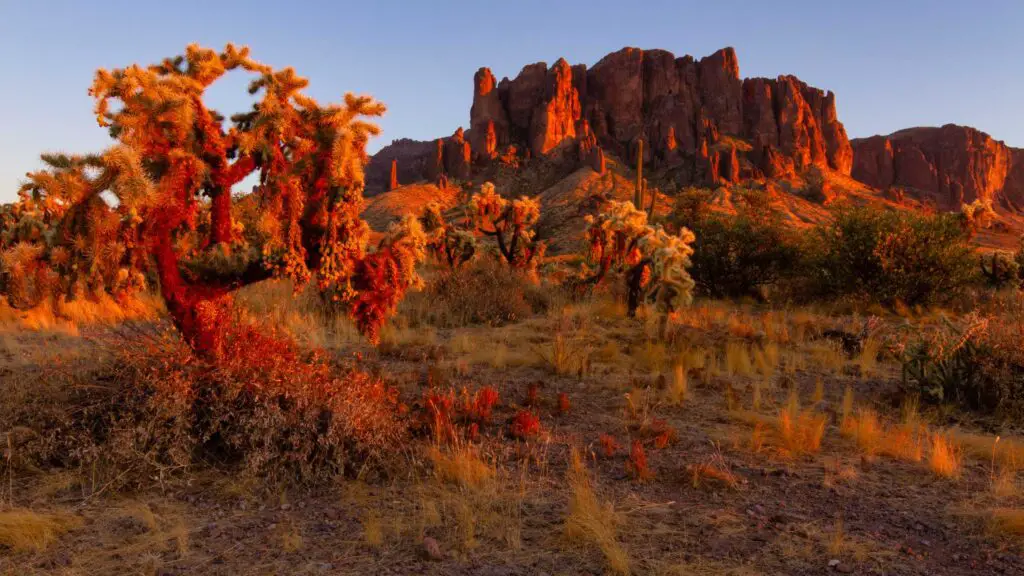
950, 165
696, 116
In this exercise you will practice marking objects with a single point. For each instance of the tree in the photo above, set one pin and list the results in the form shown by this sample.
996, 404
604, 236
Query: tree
161, 197
511, 223
653, 260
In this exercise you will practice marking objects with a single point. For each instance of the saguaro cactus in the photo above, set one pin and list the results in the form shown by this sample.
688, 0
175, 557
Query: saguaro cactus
638, 192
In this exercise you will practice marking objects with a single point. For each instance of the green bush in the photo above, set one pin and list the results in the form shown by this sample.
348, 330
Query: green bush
891, 257
741, 255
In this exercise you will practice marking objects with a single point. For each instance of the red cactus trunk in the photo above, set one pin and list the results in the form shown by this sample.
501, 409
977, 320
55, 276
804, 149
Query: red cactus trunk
183, 301
220, 217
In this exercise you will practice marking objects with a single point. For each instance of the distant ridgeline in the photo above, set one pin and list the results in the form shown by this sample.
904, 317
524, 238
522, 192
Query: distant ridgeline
701, 125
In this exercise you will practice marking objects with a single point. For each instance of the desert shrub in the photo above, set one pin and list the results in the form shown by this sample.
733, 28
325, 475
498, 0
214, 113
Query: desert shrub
890, 257
1000, 270
738, 255
976, 364
481, 292
154, 407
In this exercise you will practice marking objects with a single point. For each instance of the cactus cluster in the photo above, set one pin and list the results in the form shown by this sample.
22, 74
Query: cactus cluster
655, 262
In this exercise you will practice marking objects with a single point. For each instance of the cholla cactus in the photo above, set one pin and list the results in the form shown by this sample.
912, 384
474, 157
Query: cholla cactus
977, 215
1000, 269
511, 223
654, 261
450, 245
303, 218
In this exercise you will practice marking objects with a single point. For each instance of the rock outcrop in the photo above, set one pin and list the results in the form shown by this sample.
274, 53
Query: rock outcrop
952, 165
695, 116
678, 106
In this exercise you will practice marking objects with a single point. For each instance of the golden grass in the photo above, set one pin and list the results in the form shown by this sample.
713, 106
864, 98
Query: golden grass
737, 360
944, 456
866, 430
800, 431
566, 355
1002, 450
867, 359
714, 470
65, 317
462, 466
1007, 521
677, 389
23, 530
591, 522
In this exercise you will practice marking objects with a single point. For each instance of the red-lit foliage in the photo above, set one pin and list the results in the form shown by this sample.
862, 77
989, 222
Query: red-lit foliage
173, 151
608, 445
525, 425
563, 403
637, 466
532, 394
440, 414
444, 414
264, 406
484, 401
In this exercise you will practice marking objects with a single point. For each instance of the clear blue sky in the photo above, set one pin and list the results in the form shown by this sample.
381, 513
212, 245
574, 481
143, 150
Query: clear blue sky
892, 63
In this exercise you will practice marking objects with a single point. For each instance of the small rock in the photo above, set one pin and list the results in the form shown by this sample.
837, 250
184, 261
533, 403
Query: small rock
833, 563
432, 550
286, 506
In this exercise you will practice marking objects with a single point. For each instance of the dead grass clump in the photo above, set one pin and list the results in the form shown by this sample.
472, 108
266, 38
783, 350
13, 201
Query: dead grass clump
944, 456
482, 292
677, 389
713, 471
800, 431
866, 430
26, 531
566, 355
737, 359
1007, 521
461, 465
591, 522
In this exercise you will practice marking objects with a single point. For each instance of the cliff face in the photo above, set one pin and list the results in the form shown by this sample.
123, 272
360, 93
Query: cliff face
678, 106
697, 115
951, 164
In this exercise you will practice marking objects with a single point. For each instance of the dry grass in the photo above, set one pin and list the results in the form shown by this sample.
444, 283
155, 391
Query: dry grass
800, 431
944, 456
591, 522
867, 358
1007, 521
737, 360
677, 389
462, 466
713, 471
23, 530
866, 430
566, 355
65, 317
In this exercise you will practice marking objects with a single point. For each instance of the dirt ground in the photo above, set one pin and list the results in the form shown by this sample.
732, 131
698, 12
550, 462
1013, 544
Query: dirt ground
725, 493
